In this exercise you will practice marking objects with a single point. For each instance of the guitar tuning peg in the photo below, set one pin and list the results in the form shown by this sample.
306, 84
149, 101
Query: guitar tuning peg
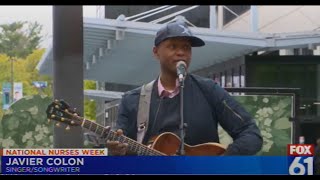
49, 120
58, 124
68, 128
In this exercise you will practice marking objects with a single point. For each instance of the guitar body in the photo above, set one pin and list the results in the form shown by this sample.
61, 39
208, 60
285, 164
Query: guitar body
168, 143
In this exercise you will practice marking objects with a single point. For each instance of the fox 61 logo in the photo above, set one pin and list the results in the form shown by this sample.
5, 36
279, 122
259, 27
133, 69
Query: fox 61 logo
300, 159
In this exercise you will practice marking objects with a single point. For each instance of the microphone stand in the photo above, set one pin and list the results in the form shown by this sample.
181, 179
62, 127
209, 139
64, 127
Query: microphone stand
183, 125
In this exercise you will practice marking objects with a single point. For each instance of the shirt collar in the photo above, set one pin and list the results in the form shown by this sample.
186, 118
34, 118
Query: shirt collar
165, 93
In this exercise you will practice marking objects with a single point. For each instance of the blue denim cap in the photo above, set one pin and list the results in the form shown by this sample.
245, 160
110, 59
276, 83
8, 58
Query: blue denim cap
177, 29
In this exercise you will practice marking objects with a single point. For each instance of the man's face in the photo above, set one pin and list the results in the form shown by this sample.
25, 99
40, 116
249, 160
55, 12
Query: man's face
171, 51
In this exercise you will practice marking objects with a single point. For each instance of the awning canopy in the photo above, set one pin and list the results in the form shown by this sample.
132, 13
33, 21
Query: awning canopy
105, 95
119, 51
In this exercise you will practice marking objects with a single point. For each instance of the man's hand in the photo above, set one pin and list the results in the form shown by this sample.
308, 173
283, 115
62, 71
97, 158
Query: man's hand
115, 148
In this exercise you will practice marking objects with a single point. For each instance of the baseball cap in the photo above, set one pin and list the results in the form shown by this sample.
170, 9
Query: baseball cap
177, 29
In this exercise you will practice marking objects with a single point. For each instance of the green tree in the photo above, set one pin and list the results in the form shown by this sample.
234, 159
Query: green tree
25, 72
18, 41
4, 76
89, 84
4, 68
89, 105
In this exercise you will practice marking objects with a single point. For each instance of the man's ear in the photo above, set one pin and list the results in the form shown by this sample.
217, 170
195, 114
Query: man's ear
155, 52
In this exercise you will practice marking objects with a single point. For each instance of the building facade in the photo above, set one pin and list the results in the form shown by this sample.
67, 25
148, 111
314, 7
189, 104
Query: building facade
284, 68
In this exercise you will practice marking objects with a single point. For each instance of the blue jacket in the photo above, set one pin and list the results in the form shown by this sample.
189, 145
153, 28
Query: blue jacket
206, 104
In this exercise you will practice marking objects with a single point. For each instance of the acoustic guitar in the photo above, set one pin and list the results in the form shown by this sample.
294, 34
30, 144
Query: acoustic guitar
166, 144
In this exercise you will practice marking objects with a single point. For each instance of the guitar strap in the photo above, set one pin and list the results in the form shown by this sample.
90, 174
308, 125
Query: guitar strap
143, 111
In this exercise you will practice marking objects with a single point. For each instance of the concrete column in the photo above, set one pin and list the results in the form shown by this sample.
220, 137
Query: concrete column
68, 69
254, 19
220, 17
213, 18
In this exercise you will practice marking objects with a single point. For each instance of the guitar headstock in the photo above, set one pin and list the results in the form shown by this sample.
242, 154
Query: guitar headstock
60, 111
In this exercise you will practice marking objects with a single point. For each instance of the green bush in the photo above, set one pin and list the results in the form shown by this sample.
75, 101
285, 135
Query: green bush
25, 125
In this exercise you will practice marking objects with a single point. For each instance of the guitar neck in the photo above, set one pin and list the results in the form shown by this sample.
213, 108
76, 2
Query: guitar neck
111, 135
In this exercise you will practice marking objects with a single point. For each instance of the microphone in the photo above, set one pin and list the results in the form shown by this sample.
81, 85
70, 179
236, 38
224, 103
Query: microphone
181, 70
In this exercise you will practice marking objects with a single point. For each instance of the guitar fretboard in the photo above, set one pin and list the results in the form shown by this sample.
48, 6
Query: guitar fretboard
108, 134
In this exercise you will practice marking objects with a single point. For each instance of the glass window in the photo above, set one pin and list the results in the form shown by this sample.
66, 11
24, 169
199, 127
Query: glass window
223, 80
228, 78
242, 76
235, 77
